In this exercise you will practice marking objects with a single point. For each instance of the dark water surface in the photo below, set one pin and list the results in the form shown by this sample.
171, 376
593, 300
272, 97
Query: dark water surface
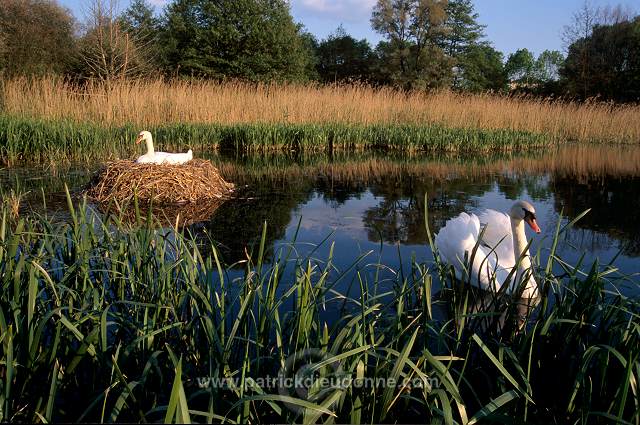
372, 205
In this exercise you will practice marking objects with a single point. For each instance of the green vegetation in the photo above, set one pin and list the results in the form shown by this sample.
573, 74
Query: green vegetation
252, 39
427, 45
606, 63
23, 139
100, 321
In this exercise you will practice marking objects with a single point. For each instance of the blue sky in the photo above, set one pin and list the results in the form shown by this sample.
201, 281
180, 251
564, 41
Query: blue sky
511, 24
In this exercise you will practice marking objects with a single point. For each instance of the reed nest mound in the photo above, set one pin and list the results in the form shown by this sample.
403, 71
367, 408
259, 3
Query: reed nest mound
196, 181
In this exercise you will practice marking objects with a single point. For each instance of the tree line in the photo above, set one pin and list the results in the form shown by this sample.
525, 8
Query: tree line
427, 44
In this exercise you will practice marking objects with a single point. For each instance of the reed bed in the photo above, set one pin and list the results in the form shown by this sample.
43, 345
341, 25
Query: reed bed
157, 102
105, 322
53, 142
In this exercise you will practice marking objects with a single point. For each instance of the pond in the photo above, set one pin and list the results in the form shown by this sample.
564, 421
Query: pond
369, 208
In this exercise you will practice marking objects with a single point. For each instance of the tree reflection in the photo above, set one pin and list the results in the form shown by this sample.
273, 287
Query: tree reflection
400, 215
237, 224
614, 204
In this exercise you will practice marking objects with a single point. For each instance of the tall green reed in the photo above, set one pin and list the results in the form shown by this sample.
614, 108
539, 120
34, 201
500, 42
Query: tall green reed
101, 320
42, 141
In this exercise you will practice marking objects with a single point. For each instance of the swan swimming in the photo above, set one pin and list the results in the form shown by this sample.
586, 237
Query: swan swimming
503, 242
153, 157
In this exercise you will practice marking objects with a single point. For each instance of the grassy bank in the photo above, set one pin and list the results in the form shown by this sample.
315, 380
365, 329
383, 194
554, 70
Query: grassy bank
46, 141
157, 103
104, 322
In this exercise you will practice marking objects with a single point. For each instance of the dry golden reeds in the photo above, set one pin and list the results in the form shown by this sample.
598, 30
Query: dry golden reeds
196, 181
146, 103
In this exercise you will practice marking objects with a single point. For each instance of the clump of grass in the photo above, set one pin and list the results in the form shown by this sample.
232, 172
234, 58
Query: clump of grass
102, 321
156, 103
12, 199
45, 141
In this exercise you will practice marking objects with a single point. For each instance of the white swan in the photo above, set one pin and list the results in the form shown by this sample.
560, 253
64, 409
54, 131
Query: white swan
503, 242
153, 157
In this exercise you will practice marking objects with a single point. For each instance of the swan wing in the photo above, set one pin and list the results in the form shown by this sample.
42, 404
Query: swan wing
497, 236
145, 159
172, 158
457, 240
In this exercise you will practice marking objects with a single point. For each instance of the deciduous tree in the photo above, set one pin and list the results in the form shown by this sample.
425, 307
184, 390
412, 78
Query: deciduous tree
251, 39
520, 67
613, 69
36, 37
481, 69
547, 66
107, 50
411, 54
342, 57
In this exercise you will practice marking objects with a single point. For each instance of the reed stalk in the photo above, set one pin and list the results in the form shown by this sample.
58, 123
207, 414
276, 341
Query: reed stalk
106, 321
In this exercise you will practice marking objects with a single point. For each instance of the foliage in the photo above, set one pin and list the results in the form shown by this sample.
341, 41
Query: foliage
251, 39
520, 67
36, 37
480, 69
103, 321
411, 55
343, 58
139, 21
606, 63
110, 48
462, 28
547, 66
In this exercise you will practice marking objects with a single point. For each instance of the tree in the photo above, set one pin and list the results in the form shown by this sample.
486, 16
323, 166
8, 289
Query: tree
481, 69
411, 54
108, 51
310, 51
139, 22
461, 39
583, 22
520, 67
36, 37
342, 57
462, 30
613, 69
547, 66
251, 39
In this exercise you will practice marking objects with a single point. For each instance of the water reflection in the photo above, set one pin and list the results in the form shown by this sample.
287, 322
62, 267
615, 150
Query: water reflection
615, 210
378, 202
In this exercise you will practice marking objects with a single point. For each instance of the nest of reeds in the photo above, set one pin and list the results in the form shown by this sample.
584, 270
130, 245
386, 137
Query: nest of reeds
197, 180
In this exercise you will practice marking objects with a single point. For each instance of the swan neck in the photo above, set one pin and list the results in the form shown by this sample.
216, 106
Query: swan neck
149, 141
520, 244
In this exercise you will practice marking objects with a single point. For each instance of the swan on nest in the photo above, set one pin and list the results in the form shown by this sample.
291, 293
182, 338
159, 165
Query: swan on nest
153, 157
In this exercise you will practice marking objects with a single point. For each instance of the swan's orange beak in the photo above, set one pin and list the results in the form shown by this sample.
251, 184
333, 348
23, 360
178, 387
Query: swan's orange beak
532, 223
139, 139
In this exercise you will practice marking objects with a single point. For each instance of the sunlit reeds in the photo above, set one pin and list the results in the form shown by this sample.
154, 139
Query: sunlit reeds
153, 103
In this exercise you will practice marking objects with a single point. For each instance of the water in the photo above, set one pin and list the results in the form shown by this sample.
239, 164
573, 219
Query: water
371, 206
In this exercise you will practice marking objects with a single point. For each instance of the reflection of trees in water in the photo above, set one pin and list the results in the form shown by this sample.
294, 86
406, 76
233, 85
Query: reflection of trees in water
588, 240
614, 204
279, 184
238, 223
513, 185
400, 215
339, 192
